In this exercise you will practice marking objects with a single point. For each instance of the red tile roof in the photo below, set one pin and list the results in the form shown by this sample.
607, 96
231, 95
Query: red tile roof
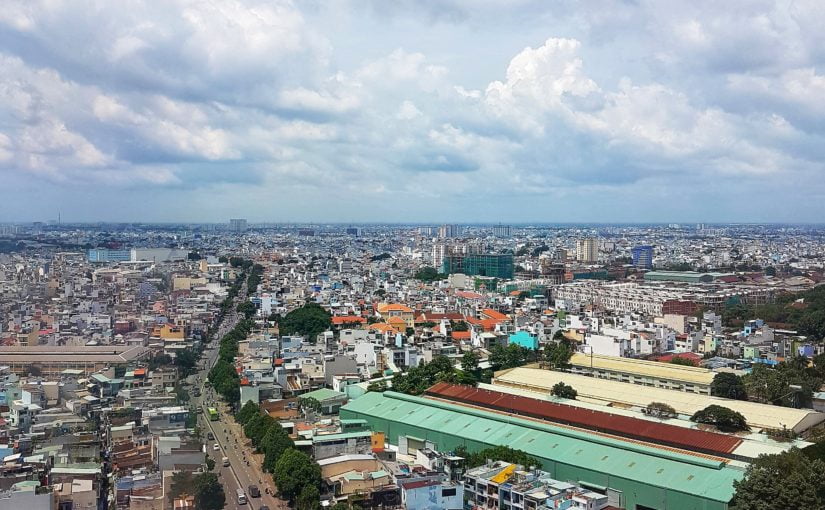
615, 424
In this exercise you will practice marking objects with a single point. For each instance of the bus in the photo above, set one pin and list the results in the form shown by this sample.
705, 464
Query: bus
213, 413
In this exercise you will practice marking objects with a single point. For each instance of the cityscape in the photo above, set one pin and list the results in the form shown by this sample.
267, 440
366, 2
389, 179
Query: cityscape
412, 254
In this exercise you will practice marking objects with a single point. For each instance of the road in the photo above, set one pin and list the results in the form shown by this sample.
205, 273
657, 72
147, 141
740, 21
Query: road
244, 468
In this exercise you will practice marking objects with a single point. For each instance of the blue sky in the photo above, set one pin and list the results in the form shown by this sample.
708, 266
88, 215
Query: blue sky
449, 110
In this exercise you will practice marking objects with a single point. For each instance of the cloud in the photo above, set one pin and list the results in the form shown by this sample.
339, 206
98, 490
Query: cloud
475, 101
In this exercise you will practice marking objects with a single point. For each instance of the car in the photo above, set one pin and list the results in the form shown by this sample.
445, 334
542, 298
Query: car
216, 447
210, 436
225, 461
263, 508
254, 491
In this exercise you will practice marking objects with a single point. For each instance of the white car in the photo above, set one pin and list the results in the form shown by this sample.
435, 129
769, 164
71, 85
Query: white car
216, 447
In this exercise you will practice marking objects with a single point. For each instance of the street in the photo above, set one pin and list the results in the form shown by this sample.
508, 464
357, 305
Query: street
245, 469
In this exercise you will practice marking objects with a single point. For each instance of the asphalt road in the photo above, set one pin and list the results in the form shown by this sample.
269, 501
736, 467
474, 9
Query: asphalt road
244, 467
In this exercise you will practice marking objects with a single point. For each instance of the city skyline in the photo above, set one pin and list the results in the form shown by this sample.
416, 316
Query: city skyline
425, 112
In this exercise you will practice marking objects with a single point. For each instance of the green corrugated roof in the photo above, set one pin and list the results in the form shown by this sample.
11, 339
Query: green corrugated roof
323, 394
644, 464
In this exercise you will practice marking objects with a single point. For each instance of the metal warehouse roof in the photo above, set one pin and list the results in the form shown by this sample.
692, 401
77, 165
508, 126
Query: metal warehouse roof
635, 462
652, 369
609, 392
660, 433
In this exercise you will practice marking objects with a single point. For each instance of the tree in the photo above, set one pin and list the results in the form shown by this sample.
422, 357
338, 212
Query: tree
505, 453
428, 275
378, 386
247, 412
247, 308
210, 463
469, 362
557, 355
294, 471
209, 493
661, 410
274, 444
679, 360
309, 320
310, 404
728, 385
459, 326
787, 480
183, 484
564, 391
186, 360
309, 498
723, 418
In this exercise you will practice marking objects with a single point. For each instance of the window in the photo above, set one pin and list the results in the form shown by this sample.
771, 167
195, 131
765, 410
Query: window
448, 493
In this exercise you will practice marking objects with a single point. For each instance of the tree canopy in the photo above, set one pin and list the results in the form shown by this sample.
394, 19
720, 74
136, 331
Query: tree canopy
723, 418
661, 410
789, 480
294, 471
505, 453
564, 391
309, 320
209, 493
429, 274
728, 385
417, 379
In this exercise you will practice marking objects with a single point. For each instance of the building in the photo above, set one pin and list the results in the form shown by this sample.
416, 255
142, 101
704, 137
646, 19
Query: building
637, 474
492, 265
432, 494
158, 254
642, 257
621, 395
647, 373
353, 231
237, 225
587, 250
446, 231
106, 255
504, 485
52, 361
502, 230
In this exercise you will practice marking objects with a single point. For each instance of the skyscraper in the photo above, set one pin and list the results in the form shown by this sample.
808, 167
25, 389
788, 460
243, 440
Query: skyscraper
642, 257
587, 250
501, 230
237, 225
446, 231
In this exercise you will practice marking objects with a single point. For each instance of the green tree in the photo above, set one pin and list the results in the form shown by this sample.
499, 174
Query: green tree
428, 275
247, 308
505, 453
186, 360
247, 412
557, 355
309, 498
459, 326
469, 362
564, 391
378, 386
274, 444
183, 484
209, 493
294, 471
723, 418
309, 321
679, 360
728, 385
789, 480
661, 410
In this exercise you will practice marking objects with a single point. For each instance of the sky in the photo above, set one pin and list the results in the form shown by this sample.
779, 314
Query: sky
412, 111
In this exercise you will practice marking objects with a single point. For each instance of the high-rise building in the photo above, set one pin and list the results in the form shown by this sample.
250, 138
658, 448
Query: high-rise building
439, 252
642, 257
494, 265
587, 250
428, 231
353, 231
237, 225
445, 231
501, 230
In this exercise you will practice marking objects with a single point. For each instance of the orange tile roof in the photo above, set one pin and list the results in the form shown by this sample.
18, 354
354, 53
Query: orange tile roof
493, 314
347, 319
461, 335
394, 307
